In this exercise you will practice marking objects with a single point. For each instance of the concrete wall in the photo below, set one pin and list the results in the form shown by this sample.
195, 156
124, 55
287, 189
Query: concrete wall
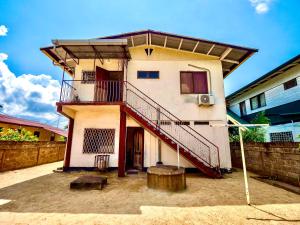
16, 155
281, 160
45, 135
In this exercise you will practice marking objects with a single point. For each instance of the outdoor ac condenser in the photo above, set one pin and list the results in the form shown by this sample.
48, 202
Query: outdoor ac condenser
206, 99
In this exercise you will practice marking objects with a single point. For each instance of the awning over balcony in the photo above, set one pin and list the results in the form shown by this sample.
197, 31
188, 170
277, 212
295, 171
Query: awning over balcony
67, 53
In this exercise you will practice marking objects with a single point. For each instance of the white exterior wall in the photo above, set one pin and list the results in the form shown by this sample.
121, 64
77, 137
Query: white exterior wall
105, 117
166, 91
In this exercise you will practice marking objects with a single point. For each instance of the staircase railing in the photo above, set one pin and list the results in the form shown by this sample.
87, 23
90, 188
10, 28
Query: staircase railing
171, 126
116, 92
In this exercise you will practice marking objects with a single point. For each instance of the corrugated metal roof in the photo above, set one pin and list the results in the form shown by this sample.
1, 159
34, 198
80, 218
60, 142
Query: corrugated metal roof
23, 122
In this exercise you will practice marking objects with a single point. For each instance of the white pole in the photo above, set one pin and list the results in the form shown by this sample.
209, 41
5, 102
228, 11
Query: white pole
178, 156
244, 166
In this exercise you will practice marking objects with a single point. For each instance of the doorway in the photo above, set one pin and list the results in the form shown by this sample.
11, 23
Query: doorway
108, 86
135, 148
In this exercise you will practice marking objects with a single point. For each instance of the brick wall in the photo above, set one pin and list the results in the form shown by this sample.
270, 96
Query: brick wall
281, 160
16, 155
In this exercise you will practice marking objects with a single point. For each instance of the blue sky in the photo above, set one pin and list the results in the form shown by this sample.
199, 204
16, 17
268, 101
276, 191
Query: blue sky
272, 26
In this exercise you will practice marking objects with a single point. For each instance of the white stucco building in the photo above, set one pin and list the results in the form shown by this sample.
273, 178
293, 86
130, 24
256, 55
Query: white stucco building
278, 94
140, 96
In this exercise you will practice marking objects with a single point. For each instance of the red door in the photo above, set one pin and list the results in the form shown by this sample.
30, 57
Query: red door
101, 85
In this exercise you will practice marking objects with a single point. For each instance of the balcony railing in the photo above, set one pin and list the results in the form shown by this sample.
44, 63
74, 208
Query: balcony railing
79, 91
114, 92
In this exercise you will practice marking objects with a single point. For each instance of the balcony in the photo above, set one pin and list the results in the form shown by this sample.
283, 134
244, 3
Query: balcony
77, 92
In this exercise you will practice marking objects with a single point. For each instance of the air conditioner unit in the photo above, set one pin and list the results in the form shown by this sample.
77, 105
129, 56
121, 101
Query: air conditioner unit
206, 99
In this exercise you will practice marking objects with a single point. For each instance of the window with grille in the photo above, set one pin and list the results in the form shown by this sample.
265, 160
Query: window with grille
289, 84
88, 77
282, 137
258, 101
99, 140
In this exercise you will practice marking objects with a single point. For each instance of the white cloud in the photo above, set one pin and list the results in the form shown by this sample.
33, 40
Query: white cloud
261, 6
3, 30
28, 96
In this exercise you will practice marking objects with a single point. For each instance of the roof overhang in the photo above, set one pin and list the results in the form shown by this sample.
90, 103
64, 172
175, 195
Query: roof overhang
231, 56
67, 53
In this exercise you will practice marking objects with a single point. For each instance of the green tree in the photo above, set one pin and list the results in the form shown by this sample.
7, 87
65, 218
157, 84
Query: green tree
15, 135
253, 134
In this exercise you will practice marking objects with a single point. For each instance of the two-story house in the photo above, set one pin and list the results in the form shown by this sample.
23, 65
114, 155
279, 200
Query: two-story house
278, 94
141, 97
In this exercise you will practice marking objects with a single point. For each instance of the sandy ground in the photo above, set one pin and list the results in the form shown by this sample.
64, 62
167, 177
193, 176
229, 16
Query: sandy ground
47, 199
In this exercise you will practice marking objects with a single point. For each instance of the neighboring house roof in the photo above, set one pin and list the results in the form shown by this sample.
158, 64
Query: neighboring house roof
23, 122
273, 73
231, 55
234, 118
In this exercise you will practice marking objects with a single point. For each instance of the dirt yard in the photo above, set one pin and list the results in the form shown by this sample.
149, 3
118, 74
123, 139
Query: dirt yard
47, 199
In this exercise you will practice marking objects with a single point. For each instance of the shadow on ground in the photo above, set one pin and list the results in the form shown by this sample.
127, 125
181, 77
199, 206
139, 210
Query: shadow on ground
51, 194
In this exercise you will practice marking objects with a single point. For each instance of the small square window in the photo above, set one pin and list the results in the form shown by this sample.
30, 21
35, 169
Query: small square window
290, 84
88, 77
36, 133
148, 74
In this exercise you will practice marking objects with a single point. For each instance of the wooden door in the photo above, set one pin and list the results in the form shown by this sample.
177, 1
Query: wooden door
138, 148
101, 87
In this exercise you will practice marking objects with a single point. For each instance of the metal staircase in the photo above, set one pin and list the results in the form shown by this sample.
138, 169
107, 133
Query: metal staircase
198, 150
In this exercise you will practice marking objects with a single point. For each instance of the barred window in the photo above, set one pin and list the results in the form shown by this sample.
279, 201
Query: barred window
282, 137
88, 77
99, 140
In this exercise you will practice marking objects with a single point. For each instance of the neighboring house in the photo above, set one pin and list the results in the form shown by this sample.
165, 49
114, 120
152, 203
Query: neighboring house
278, 94
42, 131
128, 91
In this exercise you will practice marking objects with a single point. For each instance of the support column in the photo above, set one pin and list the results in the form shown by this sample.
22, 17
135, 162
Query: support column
159, 162
69, 144
122, 143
